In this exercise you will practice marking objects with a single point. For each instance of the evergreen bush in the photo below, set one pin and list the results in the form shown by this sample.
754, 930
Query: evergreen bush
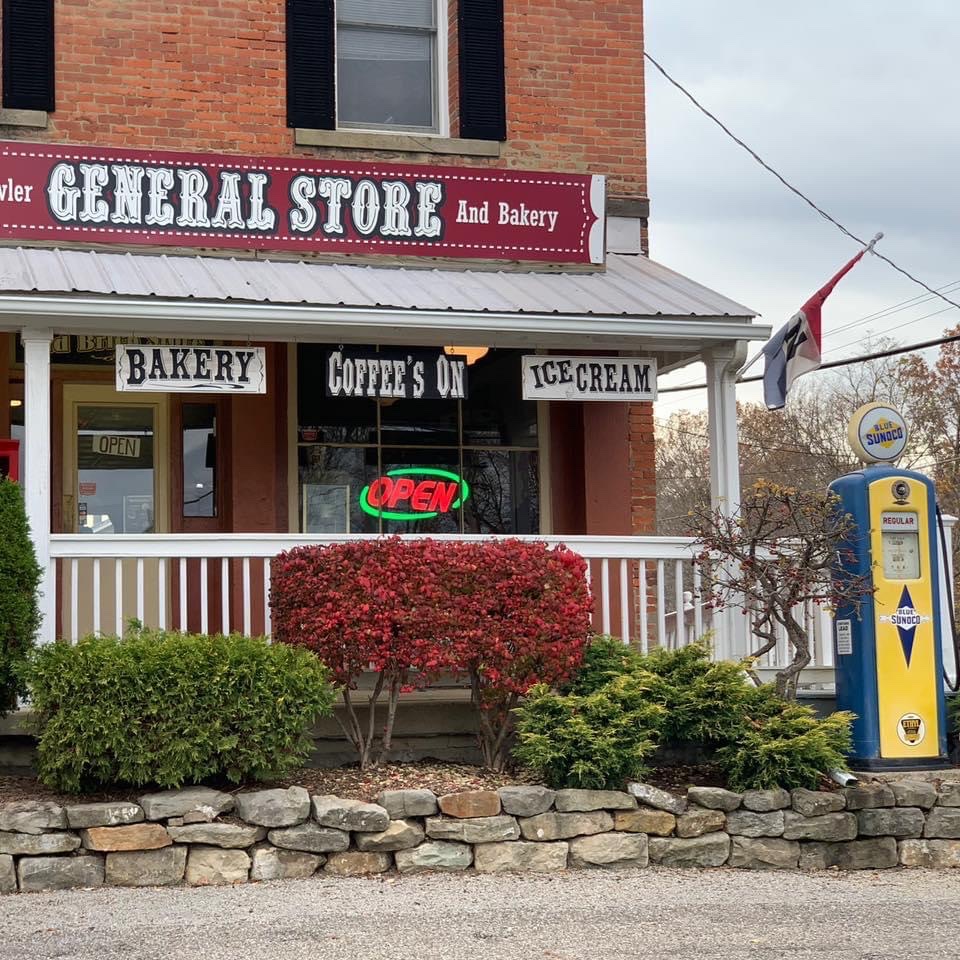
604, 659
172, 709
706, 700
595, 741
621, 704
790, 748
19, 581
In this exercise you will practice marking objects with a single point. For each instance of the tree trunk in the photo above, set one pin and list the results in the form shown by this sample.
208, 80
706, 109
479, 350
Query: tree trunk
789, 676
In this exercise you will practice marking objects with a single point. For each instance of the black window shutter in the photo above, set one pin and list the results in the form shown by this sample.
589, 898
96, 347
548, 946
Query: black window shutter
28, 55
311, 64
483, 106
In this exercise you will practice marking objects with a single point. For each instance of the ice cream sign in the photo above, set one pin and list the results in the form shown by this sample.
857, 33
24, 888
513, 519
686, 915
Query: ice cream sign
130, 197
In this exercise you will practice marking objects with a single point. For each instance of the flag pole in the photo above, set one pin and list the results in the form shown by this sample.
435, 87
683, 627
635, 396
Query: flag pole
743, 370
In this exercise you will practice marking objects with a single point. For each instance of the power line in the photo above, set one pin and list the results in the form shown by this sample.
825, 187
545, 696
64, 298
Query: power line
879, 355
892, 309
766, 166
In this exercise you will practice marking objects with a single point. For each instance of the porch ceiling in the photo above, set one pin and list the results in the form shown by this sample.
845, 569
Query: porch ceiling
97, 292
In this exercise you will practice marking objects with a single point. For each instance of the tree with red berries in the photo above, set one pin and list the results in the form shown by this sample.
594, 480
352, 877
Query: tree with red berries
771, 558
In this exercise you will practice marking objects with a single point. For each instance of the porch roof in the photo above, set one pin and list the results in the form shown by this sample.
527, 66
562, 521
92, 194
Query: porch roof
72, 289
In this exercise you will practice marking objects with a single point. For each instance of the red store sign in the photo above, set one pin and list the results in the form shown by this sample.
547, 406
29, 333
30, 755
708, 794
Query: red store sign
133, 197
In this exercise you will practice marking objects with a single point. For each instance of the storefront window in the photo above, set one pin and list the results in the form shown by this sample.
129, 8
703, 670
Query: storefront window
199, 460
404, 465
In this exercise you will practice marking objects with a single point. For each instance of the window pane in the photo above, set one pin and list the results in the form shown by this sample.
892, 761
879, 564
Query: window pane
448, 516
404, 13
504, 492
419, 422
324, 419
115, 469
199, 460
384, 77
331, 480
495, 413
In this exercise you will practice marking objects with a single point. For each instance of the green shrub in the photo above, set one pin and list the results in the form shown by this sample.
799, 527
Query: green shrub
595, 741
19, 579
605, 658
170, 709
790, 748
621, 703
706, 701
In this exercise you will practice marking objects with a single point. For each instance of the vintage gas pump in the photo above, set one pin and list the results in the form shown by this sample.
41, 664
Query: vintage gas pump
888, 661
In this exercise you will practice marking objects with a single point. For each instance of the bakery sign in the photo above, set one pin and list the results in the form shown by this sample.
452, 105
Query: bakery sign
160, 369
589, 378
108, 195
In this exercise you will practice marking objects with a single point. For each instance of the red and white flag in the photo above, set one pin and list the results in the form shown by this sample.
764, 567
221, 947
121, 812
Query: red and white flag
795, 348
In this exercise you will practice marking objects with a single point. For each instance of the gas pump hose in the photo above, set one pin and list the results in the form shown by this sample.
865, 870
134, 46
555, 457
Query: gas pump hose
955, 686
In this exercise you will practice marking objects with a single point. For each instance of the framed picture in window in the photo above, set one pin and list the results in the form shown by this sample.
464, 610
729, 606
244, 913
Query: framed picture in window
326, 508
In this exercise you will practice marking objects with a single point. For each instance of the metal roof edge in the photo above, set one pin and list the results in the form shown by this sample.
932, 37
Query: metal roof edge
112, 312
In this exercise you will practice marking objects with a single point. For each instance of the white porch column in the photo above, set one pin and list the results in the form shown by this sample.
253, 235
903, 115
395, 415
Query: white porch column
36, 461
722, 364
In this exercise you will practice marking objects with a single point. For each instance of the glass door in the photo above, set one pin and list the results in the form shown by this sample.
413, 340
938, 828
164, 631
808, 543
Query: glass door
115, 481
115, 462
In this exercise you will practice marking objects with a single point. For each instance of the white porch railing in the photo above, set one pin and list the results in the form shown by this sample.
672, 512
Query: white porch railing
209, 582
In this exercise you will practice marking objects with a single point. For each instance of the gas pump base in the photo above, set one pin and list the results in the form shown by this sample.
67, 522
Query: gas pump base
905, 765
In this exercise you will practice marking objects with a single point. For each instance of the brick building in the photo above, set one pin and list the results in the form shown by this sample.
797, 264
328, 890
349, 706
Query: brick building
282, 271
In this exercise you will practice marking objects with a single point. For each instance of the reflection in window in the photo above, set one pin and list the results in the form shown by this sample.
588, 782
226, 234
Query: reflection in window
199, 460
115, 469
490, 440
386, 63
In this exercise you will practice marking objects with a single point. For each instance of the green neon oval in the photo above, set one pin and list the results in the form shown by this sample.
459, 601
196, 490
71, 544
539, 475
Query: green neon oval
366, 507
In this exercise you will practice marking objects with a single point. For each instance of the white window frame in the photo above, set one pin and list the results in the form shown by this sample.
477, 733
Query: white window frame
441, 79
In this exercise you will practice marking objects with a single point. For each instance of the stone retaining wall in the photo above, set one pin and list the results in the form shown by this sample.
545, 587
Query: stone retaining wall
202, 836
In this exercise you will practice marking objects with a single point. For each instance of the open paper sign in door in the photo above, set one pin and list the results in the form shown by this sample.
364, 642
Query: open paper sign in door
10, 459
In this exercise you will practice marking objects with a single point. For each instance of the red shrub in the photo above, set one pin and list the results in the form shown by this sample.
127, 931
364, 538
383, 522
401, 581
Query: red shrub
506, 613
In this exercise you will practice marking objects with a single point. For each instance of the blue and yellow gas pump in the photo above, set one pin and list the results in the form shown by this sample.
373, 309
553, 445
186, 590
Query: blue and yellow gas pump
889, 666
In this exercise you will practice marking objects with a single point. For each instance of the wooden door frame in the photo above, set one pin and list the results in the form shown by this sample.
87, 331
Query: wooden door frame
101, 393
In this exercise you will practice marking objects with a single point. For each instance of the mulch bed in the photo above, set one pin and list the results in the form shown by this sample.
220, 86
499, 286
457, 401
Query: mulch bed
350, 782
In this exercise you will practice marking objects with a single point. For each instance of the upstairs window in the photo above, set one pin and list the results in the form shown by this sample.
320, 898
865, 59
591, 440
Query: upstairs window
381, 65
387, 64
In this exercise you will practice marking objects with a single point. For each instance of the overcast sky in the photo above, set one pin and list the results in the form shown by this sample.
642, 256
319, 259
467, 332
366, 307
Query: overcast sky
853, 101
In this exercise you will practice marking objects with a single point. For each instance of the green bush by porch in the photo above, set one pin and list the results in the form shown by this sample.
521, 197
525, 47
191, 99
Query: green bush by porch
621, 705
19, 580
171, 709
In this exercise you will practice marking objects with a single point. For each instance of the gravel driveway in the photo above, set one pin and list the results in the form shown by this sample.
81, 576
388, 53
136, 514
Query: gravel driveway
907, 915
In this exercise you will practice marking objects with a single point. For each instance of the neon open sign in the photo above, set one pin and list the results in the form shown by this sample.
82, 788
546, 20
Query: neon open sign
414, 493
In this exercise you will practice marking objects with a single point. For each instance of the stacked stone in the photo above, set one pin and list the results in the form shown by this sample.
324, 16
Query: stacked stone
203, 836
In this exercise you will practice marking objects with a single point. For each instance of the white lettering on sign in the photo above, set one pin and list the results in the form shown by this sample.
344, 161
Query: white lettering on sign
589, 378
160, 369
899, 522
110, 445
412, 376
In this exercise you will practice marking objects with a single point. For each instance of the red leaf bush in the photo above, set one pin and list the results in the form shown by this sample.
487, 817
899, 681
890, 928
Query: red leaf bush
505, 613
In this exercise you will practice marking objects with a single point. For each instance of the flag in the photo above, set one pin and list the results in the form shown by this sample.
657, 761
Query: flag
795, 348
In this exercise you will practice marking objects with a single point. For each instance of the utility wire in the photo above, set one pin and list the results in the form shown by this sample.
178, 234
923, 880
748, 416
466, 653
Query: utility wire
879, 355
766, 166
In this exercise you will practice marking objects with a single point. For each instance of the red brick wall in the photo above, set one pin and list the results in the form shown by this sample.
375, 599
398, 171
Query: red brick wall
643, 471
210, 75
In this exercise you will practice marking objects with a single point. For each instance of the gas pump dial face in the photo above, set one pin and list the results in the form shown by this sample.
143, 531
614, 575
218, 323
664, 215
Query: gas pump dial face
901, 556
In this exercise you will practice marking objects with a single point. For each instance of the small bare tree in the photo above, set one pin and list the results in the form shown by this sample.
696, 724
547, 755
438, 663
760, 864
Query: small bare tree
776, 554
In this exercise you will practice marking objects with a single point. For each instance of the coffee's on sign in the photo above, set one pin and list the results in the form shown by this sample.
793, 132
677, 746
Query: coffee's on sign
158, 369
131, 197
589, 378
